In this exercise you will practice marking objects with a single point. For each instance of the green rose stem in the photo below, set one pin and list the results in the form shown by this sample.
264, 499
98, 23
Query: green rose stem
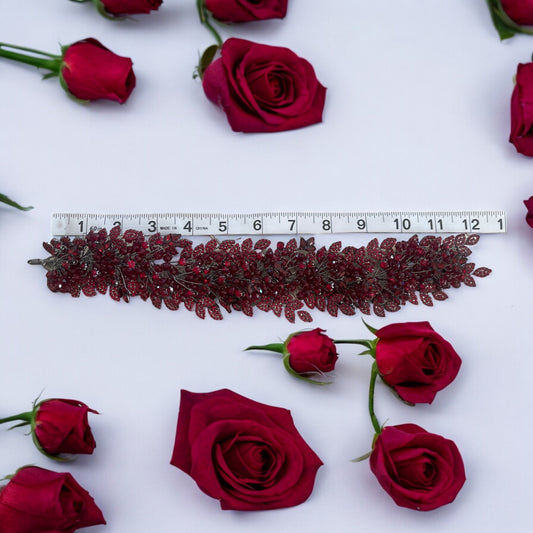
27, 418
36, 58
373, 376
4, 199
205, 17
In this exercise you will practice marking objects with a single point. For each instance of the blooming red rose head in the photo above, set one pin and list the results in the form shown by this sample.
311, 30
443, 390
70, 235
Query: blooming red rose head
90, 71
129, 7
419, 470
522, 110
246, 10
520, 11
264, 88
39, 500
246, 454
311, 352
62, 426
415, 360
529, 206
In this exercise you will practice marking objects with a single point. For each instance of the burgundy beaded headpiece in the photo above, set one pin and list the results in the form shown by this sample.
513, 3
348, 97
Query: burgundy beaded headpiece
241, 276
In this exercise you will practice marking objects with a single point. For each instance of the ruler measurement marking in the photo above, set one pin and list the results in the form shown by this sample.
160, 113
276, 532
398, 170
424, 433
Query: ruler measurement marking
285, 223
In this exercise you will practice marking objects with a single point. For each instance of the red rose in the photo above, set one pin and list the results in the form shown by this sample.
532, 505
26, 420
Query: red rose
246, 454
522, 110
264, 88
90, 71
520, 11
311, 351
529, 206
419, 470
61, 426
38, 500
415, 360
246, 10
129, 7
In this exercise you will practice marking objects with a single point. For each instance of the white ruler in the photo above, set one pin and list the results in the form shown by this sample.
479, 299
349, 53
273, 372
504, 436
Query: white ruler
286, 223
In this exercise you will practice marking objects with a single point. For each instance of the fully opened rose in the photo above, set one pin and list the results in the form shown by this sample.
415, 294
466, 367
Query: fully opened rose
264, 88
58, 426
418, 469
87, 70
246, 10
246, 454
41, 501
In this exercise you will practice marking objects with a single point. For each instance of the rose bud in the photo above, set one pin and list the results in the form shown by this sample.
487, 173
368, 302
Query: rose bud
246, 10
520, 11
117, 9
415, 360
246, 454
511, 16
263, 88
419, 470
38, 500
87, 70
306, 353
522, 110
58, 426
529, 206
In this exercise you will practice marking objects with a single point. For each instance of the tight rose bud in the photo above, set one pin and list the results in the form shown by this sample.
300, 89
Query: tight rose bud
246, 10
519, 11
90, 71
87, 70
522, 110
306, 353
415, 360
419, 470
38, 500
119, 8
59, 426
312, 352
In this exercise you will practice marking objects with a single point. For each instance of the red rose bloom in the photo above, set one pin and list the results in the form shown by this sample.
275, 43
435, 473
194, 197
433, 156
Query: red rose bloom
38, 500
246, 10
246, 454
520, 11
61, 426
529, 206
90, 71
312, 351
130, 7
264, 88
419, 470
522, 110
415, 360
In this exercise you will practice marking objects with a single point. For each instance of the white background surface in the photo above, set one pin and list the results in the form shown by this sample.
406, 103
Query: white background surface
416, 117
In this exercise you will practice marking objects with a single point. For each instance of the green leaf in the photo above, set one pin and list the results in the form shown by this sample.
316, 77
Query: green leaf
205, 60
8, 201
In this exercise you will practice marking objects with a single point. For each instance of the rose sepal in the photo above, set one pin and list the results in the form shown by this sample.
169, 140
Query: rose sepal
505, 26
292, 372
205, 60
277, 347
